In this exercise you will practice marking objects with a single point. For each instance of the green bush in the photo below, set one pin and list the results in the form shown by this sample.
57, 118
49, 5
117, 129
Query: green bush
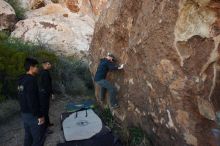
136, 136
2, 98
108, 118
12, 55
4, 35
20, 12
71, 76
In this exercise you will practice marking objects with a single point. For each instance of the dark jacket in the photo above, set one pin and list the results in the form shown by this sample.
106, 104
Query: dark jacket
45, 86
28, 94
103, 68
45, 82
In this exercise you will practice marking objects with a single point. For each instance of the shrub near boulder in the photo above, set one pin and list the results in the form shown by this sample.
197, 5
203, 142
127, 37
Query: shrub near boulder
19, 11
12, 55
71, 76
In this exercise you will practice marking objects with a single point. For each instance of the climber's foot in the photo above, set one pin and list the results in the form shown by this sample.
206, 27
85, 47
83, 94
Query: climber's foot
115, 106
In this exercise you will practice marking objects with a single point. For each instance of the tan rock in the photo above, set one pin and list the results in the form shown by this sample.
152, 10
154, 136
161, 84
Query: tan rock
193, 21
73, 5
33, 4
206, 109
177, 86
165, 71
93, 8
50, 9
190, 139
7, 16
36, 4
182, 118
65, 33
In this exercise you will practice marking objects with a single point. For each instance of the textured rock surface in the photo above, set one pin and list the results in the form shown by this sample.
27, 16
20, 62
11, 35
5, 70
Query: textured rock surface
66, 27
49, 9
93, 8
64, 32
33, 4
170, 82
7, 16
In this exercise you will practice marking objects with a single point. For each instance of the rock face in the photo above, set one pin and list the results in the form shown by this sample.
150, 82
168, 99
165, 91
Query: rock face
93, 8
64, 32
170, 83
33, 4
7, 16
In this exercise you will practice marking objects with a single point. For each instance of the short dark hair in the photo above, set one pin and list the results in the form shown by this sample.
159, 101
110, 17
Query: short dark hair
45, 61
111, 55
30, 62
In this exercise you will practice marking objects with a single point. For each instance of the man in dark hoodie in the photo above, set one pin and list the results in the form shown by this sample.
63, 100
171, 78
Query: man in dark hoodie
107, 64
32, 116
46, 91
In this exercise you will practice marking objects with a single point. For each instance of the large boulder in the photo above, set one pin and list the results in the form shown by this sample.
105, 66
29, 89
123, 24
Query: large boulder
170, 83
57, 28
75, 17
7, 16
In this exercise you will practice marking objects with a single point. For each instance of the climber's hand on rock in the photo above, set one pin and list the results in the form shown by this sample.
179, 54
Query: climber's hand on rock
121, 66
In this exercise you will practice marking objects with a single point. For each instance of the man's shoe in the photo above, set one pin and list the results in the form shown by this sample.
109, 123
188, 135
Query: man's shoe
51, 124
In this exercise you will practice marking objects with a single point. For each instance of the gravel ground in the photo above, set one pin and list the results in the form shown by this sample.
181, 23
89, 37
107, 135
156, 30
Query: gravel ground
12, 133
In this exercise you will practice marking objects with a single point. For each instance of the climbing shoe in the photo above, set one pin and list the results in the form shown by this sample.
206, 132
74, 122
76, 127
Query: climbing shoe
115, 106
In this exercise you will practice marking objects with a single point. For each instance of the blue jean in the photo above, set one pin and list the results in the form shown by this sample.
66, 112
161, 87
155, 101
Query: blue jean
34, 133
107, 86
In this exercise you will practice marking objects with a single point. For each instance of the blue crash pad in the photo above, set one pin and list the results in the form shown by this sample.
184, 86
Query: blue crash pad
86, 104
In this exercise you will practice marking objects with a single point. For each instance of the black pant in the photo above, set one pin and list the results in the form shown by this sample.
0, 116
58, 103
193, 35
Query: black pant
45, 103
47, 119
34, 133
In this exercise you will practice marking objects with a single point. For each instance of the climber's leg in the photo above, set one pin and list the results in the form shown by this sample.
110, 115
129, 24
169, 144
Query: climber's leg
112, 91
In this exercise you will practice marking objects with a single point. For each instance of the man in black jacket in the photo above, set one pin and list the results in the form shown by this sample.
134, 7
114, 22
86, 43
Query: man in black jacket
107, 64
46, 91
30, 105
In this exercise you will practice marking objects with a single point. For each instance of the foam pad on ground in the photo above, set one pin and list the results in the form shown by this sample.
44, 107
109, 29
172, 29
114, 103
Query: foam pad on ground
81, 125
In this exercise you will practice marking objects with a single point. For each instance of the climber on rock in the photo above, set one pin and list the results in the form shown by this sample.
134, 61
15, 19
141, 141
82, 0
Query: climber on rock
107, 64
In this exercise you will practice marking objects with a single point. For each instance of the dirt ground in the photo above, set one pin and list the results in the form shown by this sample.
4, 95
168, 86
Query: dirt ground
12, 133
